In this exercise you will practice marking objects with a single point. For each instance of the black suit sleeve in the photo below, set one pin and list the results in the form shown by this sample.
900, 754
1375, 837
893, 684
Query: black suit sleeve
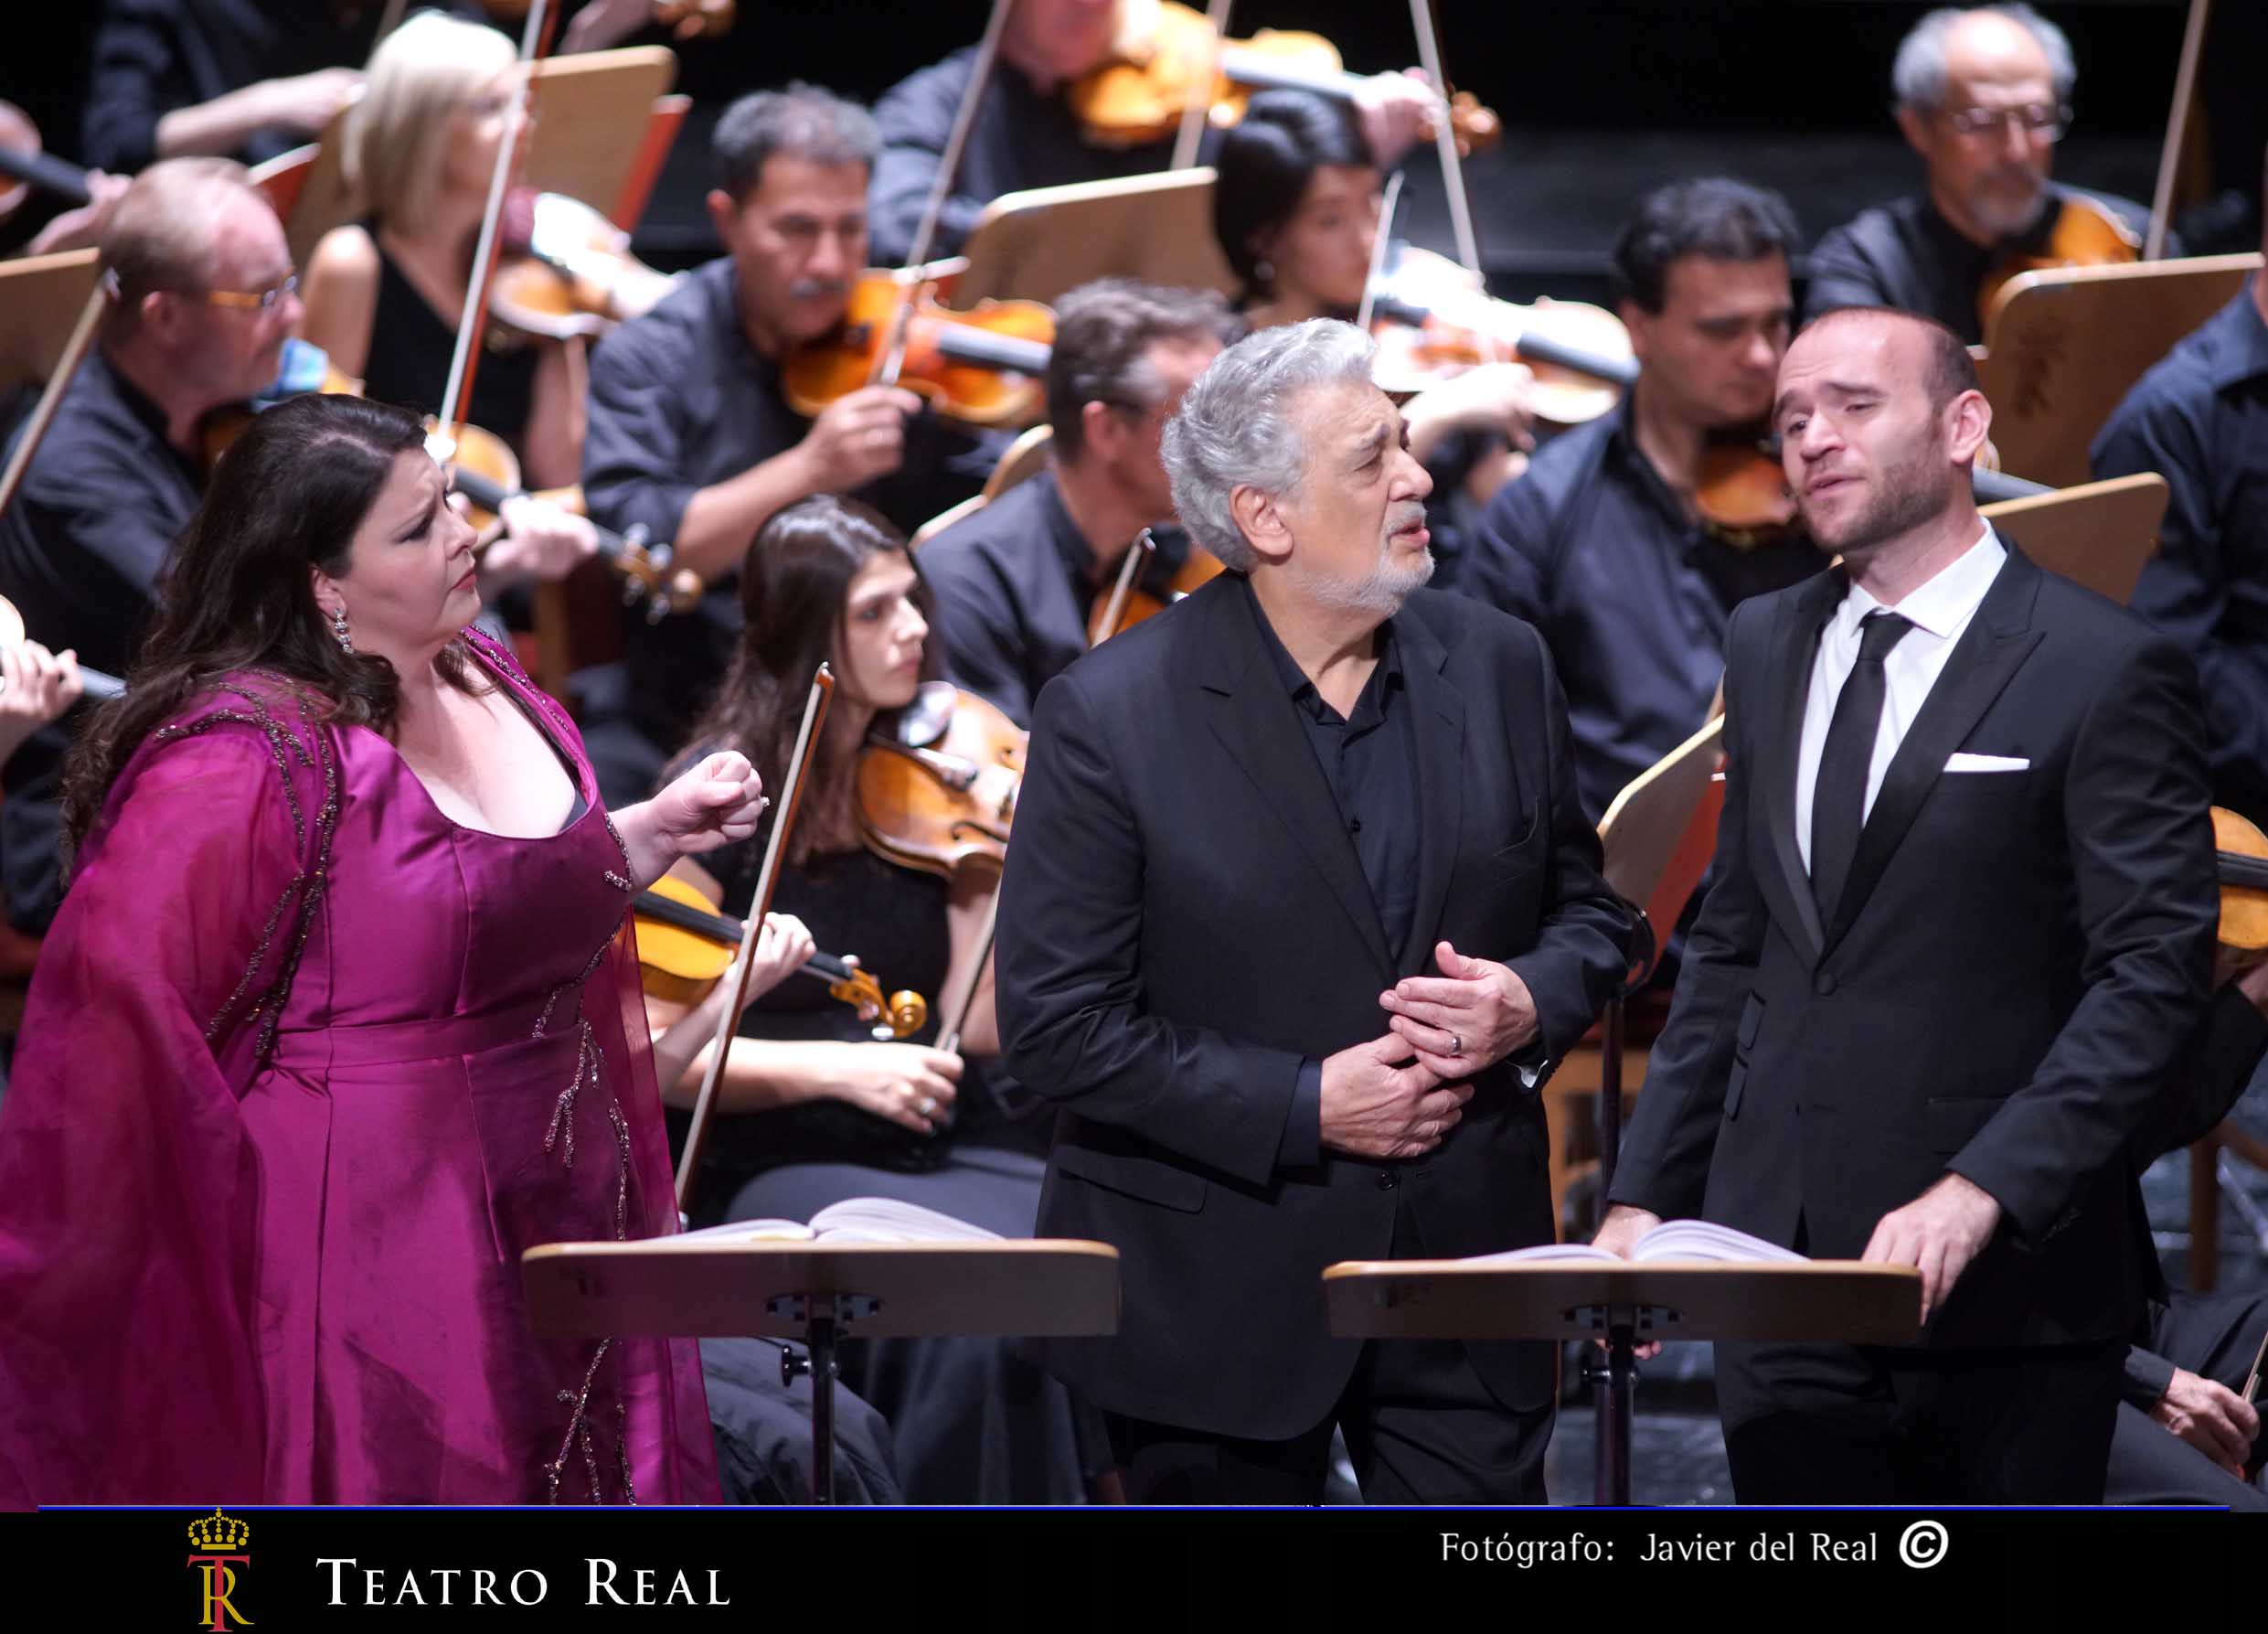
977, 624
1071, 1011
2142, 855
1581, 950
1664, 1164
2224, 1057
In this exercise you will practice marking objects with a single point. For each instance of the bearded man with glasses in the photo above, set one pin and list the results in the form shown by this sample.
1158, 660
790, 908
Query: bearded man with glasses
1984, 96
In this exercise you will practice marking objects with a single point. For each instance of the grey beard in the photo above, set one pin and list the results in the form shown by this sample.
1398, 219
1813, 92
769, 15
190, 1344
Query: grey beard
1381, 590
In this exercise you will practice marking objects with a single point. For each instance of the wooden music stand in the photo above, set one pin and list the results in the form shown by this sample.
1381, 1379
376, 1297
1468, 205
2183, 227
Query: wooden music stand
41, 300
822, 1293
595, 114
2062, 347
1623, 1304
2098, 534
1035, 244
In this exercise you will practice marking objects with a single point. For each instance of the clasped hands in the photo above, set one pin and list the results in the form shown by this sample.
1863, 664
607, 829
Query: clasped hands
1398, 1096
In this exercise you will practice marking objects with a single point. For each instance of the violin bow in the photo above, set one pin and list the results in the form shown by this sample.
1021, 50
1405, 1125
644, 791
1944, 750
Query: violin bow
949, 1041
1122, 588
1423, 23
2176, 129
465, 363
1379, 243
1200, 104
736, 980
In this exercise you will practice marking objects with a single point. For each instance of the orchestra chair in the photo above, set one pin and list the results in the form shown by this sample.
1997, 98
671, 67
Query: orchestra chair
2098, 534
2205, 1163
2063, 347
1027, 457
1036, 245
946, 518
1658, 836
604, 123
283, 177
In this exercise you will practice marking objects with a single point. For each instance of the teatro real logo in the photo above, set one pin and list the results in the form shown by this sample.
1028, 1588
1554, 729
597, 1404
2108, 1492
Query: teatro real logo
222, 1544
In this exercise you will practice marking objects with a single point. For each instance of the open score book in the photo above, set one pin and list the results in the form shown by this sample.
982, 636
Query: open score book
880, 1219
1673, 1239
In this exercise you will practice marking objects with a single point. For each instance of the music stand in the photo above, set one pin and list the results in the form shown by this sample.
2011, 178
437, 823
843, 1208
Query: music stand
1621, 1304
822, 1293
41, 300
2098, 534
2062, 347
1035, 244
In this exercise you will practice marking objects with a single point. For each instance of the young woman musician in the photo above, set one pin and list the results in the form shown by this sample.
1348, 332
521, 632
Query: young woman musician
1296, 210
823, 1112
335, 1021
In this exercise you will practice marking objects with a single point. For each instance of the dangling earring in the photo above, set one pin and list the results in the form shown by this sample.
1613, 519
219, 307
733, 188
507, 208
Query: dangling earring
338, 628
1266, 272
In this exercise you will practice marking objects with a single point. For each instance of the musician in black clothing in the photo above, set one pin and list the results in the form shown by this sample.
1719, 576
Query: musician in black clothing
1983, 96
1018, 582
1026, 135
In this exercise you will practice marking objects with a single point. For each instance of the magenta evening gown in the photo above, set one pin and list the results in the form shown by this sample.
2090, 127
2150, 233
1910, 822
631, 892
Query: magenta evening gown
307, 1065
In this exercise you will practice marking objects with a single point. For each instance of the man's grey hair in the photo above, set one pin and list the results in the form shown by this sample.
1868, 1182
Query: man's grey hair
1918, 76
1235, 429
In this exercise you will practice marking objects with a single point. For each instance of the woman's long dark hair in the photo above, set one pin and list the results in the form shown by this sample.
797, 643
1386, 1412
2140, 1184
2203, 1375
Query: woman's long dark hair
1265, 162
794, 597
235, 593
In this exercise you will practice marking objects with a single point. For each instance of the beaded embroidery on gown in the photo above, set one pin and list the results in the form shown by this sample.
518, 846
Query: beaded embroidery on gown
306, 1066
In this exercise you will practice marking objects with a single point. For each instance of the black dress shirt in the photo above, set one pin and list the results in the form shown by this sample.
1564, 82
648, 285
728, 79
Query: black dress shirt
1014, 593
1909, 256
2199, 419
1631, 596
152, 57
1020, 139
79, 551
1371, 763
680, 401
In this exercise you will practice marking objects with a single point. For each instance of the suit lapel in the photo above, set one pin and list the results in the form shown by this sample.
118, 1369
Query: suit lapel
1255, 720
1997, 641
1786, 685
1437, 739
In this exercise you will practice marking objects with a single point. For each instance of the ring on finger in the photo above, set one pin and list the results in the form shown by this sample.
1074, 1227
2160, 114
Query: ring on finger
927, 1108
1457, 1045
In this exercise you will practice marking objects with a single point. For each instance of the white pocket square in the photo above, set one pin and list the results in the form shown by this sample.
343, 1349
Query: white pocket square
1988, 762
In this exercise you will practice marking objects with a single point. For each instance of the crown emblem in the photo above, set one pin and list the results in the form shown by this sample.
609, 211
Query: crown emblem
220, 1534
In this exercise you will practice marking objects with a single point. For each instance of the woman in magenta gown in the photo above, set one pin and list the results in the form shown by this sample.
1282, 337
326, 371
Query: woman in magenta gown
339, 1017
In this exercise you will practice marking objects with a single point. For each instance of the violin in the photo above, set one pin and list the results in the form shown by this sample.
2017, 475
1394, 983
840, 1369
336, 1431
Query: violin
983, 366
2086, 234
2242, 851
686, 20
1128, 604
23, 158
302, 369
93, 683
569, 271
1141, 96
1432, 321
685, 947
483, 468
1743, 497
939, 792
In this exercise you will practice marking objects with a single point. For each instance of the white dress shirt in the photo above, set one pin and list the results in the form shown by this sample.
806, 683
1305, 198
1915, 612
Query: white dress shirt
1939, 611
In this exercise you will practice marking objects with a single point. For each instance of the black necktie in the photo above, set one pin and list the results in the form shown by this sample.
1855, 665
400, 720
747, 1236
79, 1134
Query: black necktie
1839, 800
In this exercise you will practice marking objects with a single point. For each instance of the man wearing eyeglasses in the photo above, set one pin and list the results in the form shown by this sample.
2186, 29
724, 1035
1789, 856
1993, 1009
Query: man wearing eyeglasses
202, 296
1982, 95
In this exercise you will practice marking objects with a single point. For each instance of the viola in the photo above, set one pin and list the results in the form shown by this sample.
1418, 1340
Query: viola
983, 366
2241, 850
685, 946
569, 272
93, 683
2086, 234
1128, 604
302, 369
1744, 501
939, 792
1141, 95
1432, 321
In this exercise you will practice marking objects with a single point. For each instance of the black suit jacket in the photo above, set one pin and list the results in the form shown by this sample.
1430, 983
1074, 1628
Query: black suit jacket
2011, 981
1184, 922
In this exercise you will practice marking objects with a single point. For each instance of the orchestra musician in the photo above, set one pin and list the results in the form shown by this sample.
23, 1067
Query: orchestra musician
689, 435
1603, 545
1982, 95
2199, 419
1017, 584
346, 905
1296, 208
1026, 133
1377, 772
1961, 928
815, 1111
203, 298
